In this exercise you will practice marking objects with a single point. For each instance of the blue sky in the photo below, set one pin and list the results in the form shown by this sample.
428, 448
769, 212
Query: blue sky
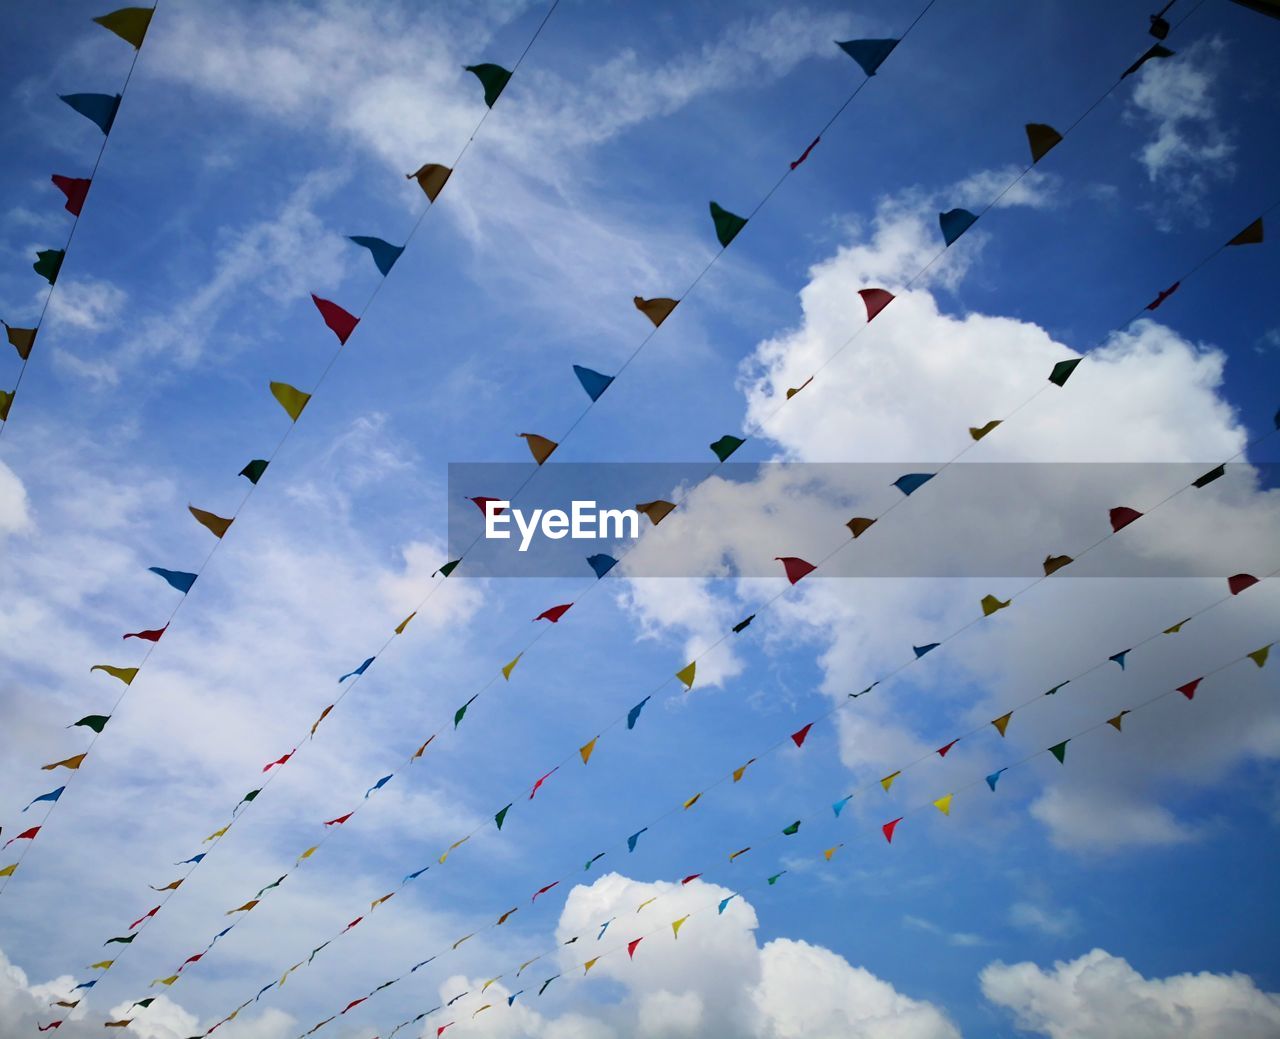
1081, 899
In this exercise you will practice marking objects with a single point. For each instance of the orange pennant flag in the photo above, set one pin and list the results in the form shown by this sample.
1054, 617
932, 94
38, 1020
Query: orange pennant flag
216, 525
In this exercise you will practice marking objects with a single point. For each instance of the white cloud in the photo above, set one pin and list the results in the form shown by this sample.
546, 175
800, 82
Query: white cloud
1054, 921
1099, 996
85, 304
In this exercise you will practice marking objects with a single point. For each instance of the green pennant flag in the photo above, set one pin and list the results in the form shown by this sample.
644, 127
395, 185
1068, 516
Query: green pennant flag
726, 446
793, 829
492, 77
461, 712
144, 1003
1059, 751
254, 470
1062, 371
501, 817
448, 567
774, 879
96, 722
124, 940
48, 263
727, 224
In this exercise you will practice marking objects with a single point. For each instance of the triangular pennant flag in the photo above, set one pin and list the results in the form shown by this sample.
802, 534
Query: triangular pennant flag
399, 629
72, 763
1115, 722
796, 389
1059, 751
1002, 723
253, 470
795, 567
686, 673
358, 671
52, 796
990, 604
912, 482
792, 830
645, 903
461, 712
593, 860
21, 339
876, 300
99, 109
384, 253
920, 651
339, 820
1119, 658
377, 786
587, 748
6, 402
889, 827
954, 223
1157, 50
510, 666
492, 77
739, 853
633, 715
1052, 564
96, 722
125, 674
293, 400
542, 780
656, 310
501, 817
887, 782
177, 580
799, 737
726, 446
724, 904
216, 525
431, 178
164, 981
859, 525
631, 841
129, 23
1189, 690
554, 613
692, 801
943, 804
677, 924
869, 54
1215, 473
1259, 656
601, 564
540, 447
743, 624
942, 751
1164, 295
805, 154
1239, 582
48, 264
1122, 516
838, 807
1251, 235
151, 635
1062, 371
543, 890
448, 568
727, 224
546, 983
76, 190
593, 382
978, 432
1042, 138
340, 322
1175, 629
631, 948
323, 715
422, 749
657, 510
589, 964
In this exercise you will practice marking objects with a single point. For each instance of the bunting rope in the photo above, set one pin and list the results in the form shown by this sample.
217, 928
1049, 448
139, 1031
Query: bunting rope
130, 24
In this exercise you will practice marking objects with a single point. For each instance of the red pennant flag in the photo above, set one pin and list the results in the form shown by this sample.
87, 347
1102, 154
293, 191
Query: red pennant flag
349, 926
1122, 516
340, 820
631, 948
888, 829
553, 614
1240, 582
51, 1024
278, 761
690, 877
942, 751
191, 959
543, 891
1189, 690
25, 835
805, 154
798, 738
1162, 296
342, 323
876, 300
795, 567
354, 1003
542, 780
440, 1030
75, 188
145, 916
482, 503
150, 636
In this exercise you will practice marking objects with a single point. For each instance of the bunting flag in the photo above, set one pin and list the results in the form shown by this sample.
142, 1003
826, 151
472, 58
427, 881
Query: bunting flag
1213, 474
76, 190
1259, 656
869, 54
743, 624
601, 564
291, 399
52, 796
593, 860
875, 300
593, 382
129, 23
1162, 296
792, 830
741, 770
954, 223
990, 604
887, 782
150, 635
943, 804
831, 851
859, 525
1052, 564
101, 965
543, 890
125, 674
796, 389
358, 671
72, 763
978, 432
511, 666
376, 786
1119, 658
540, 447
1239, 582
501, 817
799, 737
6, 402
278, 761
727, 224
1189, 689
645, 903
554, 613
1002, 723
461, 712
399, 629
657, 510
726, 446
121, 940
339, 820
1122, 516
805, 154
8, 870
164, 981
1059, 751
795, 567
1157, 50
1042, 138
546, 983
1251, 235
586, 967
253, 470
724, 904
922, 650
910, 483
656, 310
632, 946
323, 715
247, 907
542, 780
431, 178
1175, 629
631, 841
692, 801
21, 339
1115, 722
492, 77
838, 807
586, 749
414, 875
686, 673
173, 885
942, 751
176, 579
195, 859
49, 263
340, 322
633, 715
384, 253
1063, 369
99, 109
739, 853
145, 916
889, 827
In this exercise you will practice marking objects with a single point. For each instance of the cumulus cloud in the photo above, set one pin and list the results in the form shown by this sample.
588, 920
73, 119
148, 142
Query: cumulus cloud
1098, 996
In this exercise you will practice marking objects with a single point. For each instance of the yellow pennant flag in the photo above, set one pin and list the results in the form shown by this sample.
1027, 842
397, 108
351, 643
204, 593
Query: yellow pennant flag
657, 510
164, 981
72, 763
1002, 722
323, 715
1259, 656
990, 604
741, 769
540, 447
887, 782
125, 674
645, 903
173, 885
677, 924
508, 668
831, 851
481, 1010
307, 854
216, 525
455, 844
488, 983
431, 178
1175, 629
124, 1023
463, 939
1115, 722
686, 673
129, 23
378, 901
978, 432
292, 399
796, 389
8, 870
740, 851
103, 965
423, 749
692, 801
244, 908
943, 804
586, 967
216, 834
586, 749
656, 310
405, 623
